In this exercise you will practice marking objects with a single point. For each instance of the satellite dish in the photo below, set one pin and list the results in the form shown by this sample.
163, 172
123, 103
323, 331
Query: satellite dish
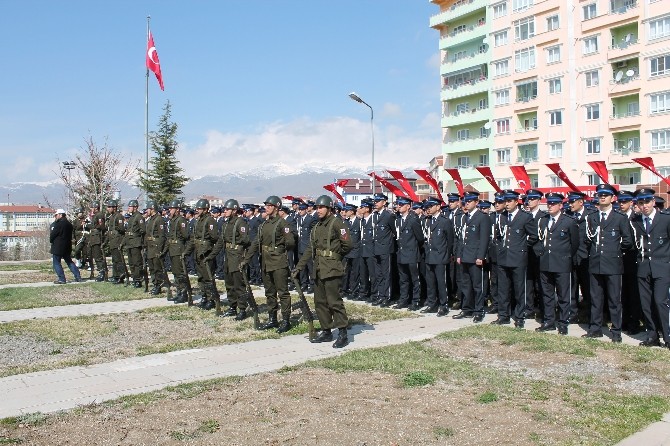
630, 73
487, 126
485, 41
618, 76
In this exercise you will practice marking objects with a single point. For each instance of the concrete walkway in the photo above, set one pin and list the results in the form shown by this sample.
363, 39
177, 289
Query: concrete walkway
63, 389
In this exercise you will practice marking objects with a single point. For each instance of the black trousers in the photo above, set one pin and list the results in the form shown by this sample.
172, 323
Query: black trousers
436, 285
473, 288
606, 285
352, 276
493, 284
655, 304
383, 276
512, 284
368, 277
556, 290
630, 297
580, 281
409, 283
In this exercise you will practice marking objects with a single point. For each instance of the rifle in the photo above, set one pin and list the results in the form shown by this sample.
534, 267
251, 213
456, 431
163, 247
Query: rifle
214, 292
125, 266
189, 290
306, 311
250, 298
145, 259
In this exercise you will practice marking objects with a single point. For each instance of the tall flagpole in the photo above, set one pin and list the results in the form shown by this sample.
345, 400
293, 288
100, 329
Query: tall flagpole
146, 118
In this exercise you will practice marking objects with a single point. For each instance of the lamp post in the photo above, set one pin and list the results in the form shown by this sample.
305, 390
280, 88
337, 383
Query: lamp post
69, 165
358, 99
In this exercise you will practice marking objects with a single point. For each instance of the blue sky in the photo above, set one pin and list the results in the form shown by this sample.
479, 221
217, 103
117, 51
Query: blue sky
252, 83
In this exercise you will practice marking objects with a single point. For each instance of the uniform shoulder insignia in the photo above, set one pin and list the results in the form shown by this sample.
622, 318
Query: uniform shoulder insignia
286, 230
211, 227
183, 225
243, 229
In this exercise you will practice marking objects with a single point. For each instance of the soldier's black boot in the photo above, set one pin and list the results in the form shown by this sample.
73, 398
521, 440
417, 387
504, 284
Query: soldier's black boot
342, 338
272, 321
241, 315
210, 305
284, 326
181, 297
101, 277
232, 311
155, 291
324, 336
137, 283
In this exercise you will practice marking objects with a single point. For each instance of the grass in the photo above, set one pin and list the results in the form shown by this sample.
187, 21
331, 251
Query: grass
417, 379
65, 331
38, 266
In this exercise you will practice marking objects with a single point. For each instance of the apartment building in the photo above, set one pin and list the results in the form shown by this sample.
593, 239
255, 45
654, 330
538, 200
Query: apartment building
25, 217
532, 82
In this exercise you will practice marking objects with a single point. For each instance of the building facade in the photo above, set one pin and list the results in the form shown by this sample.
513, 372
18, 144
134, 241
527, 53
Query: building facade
532, 82
25, 218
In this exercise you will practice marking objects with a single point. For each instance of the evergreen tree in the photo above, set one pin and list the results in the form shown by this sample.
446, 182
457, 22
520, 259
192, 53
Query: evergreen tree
164, 181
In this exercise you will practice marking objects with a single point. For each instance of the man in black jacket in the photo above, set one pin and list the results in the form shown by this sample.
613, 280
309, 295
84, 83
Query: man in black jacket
384, 235
439, 249
410, 240
60, 237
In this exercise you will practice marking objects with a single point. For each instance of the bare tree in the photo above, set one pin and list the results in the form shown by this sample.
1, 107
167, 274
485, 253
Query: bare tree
97, 174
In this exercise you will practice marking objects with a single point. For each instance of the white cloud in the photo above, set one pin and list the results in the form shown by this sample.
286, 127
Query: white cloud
18, 168
434, 61
338, 140
391, 110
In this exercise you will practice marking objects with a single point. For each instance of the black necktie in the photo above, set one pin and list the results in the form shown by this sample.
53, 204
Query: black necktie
551, 222
577, 214
467, 218
603, 216
647, 225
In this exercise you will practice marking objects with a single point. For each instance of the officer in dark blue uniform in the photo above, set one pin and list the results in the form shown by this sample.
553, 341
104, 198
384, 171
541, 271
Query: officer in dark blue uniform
367, 252
533, 286
254, 221
608, 234
455, 215
383, 230
304, 223
410, 240
651, 233
498, 209
516, 231
351, 283
557, 245
630, 296
580, 279
471, 252
439, 249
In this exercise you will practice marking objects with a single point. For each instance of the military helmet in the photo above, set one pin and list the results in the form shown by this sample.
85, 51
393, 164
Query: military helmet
133, 203
324, 200
175, 204
95, 204
203, 203
78, 210
152, 205
111, 203
232, 204
273, 200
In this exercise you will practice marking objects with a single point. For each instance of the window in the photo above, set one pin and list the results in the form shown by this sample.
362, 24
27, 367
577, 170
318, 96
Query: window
552, 22
502, 97
593, 146
526, 92
554, 181
660, 65
660, 103
502, 126
528, 152
556, 117
592, 78
501, 68
462, 108
463, 134
505, 183
590, 11
524, 29
553, 54
500, 10
628, 178
554, 86
483, 160
500, 38
483, 132
592, 179
483, 103
463, 161
524, 59
555, 150
504, 157
660, 140
591, 45
530, 123
592, 112
521, 5
659, 28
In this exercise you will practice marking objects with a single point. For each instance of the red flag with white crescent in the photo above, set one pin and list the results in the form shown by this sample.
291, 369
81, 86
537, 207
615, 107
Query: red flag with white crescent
600, 168
556, 168
430, 180
394, 190
331, 188
342, 183
404, 183
648, 163
457, 180
521, 176
486, 172
153, 63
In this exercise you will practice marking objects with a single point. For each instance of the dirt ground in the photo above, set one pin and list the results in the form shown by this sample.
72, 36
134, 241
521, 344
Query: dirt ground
31, 276
318, 406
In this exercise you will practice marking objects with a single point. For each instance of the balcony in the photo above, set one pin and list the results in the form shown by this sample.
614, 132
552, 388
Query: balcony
628, 80
616, 15
474, 86
528, 160
458, 9
472, 32
465, 117
468, 144
624, 48
473, 59
621, 120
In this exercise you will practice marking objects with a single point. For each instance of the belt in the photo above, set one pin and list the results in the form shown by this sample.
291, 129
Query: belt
234, 246
329, 254
151, 239
273, 248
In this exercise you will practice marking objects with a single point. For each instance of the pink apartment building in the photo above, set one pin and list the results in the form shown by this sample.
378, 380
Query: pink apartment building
532, 82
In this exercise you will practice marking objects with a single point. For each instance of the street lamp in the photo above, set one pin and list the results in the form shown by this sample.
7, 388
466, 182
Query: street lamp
69, 165
358, 99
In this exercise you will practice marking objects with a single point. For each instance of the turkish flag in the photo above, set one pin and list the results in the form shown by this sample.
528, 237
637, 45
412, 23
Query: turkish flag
521, 176
556, 168
430, 180
404, 183
457, 180
648, 163
331, 188
394, 190
600, 168
152, 60
486, 172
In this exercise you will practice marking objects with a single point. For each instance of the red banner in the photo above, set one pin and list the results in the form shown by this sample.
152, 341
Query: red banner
430, 180
521, 176
152, 60
394, 190
331, 188
486, 172
404, 183
600, 168
648, 163
342, 183
556, 168
457, 180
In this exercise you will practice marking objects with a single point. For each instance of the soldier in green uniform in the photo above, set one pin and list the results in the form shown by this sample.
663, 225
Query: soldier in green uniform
133, 242
177, 238
329, 243
273, 241
79, 236
116, 228
234, 240
96, 240
203, 239
154, 241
